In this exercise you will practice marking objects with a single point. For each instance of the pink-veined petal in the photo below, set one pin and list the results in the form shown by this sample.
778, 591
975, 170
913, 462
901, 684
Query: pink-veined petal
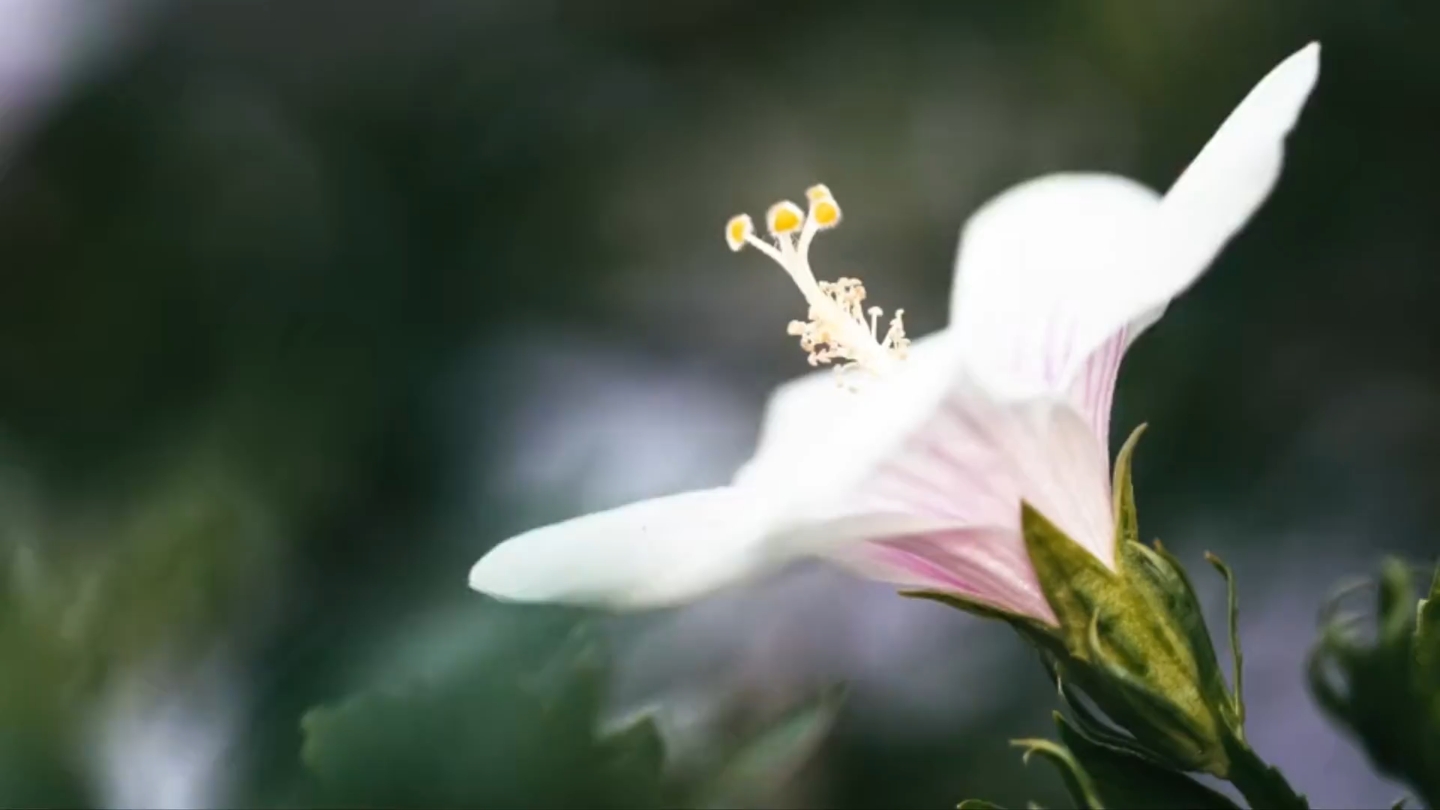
1030, 263
1211, 201
984, 564
976, 458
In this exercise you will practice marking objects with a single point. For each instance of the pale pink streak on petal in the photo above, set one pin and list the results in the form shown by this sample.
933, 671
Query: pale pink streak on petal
1041, 451
1093, 391
987, 565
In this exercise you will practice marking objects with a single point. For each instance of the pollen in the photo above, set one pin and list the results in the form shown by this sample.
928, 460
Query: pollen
783, 218
737, 230
839, 329
825, 213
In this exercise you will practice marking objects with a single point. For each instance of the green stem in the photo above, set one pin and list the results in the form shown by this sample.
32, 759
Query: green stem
1262, 785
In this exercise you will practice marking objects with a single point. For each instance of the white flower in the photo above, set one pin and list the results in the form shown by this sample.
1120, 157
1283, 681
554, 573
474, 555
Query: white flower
915, 472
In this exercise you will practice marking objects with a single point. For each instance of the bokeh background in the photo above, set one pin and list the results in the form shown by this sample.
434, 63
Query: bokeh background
306, 304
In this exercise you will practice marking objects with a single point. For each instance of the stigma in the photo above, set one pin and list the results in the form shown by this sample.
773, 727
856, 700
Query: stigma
839, 329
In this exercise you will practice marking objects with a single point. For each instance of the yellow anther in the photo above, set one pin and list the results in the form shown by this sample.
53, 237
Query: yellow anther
784, 217
737, 229
838, 328
825, 213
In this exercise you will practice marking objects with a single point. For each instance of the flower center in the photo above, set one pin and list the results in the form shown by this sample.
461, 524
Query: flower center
839, 330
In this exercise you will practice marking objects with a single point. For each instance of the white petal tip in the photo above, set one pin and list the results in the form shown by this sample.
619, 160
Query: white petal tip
650, 554
1305, 63
1290, 83
495, 575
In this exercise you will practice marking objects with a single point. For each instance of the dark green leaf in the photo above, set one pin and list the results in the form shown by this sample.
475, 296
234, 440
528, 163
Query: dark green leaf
485, 735
1386, 691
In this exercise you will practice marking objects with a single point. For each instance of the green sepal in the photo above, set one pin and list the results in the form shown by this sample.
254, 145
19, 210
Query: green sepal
1126, 780
1185, 639
1124, 649
1076, 584
1043, 636
1094, 728
1077, 781
1232, 612
1127, 524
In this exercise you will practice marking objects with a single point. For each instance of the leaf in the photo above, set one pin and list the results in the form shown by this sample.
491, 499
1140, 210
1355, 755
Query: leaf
762, 765
1125, 780
977, 804
485, 735
1386, 692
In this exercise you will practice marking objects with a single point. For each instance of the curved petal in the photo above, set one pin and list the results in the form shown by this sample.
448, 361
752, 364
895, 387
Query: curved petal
987, 565
1030, 263
1207, 205
649, 554
813, 410
975, 458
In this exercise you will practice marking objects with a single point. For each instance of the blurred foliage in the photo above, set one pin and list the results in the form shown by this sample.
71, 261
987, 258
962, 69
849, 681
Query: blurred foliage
1384, 686
489, 735
254, 256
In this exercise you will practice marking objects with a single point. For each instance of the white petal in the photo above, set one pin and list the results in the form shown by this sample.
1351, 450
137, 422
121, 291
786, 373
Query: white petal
976, 458
1207, 205
648, 554
813, 410
1030, 265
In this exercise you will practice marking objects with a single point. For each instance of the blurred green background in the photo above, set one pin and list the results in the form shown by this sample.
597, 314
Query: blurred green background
306, 304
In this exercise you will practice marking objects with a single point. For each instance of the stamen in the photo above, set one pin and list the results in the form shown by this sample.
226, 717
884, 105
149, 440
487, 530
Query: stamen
784, 218
837, 328
737, 230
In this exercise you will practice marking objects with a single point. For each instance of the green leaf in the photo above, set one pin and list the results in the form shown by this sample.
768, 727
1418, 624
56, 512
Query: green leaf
1386, 691
760, 766
1125, 780
485, 735
977, 804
